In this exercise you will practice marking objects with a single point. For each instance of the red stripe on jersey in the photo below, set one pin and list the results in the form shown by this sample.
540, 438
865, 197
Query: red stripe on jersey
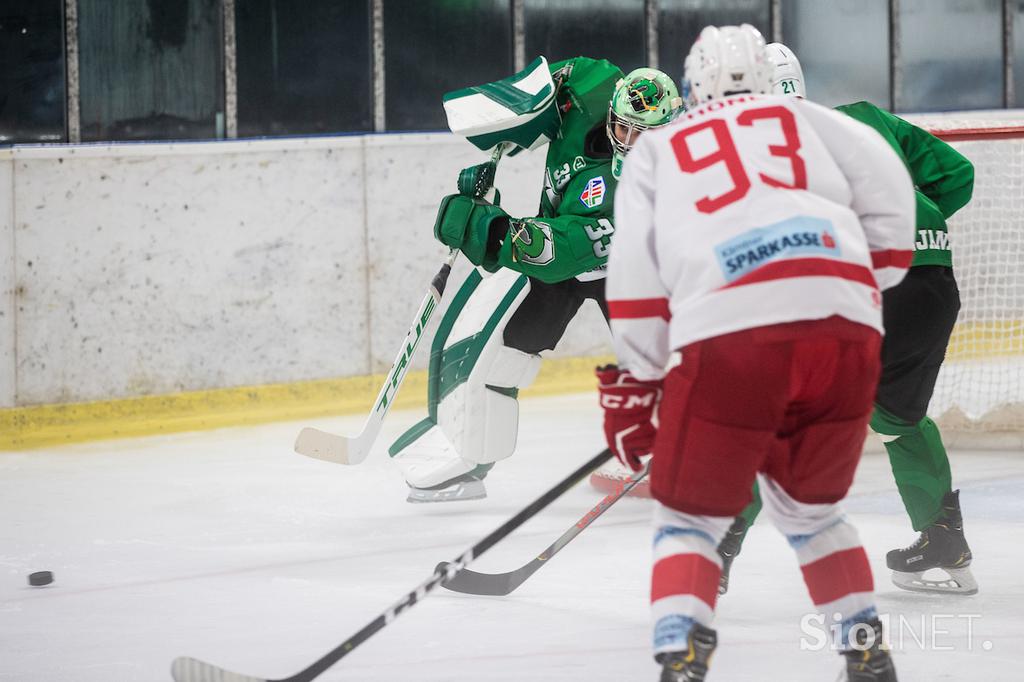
683, 574
841, 573
807, 267
891, 259
638, 308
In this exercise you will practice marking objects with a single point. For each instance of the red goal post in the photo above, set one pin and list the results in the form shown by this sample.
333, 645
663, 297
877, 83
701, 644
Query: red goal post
979, 397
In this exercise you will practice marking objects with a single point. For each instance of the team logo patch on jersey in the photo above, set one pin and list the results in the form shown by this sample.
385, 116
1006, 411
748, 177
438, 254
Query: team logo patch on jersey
593, 193
798, 236
532, 242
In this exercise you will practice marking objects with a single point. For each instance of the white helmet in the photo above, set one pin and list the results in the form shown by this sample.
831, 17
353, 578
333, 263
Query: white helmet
726, 60
788, 77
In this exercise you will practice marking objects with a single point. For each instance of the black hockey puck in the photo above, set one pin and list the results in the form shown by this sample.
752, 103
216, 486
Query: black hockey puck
40, 578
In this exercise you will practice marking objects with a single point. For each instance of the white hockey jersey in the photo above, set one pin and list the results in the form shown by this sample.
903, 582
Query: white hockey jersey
748, 211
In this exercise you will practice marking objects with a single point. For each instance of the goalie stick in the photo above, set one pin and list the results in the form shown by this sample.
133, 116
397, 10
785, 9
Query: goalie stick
186, 669
339, 449
353, 450
501, 584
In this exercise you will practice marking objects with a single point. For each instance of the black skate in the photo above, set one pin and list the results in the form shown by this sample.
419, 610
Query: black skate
728, 548
690, 665
871, 664
940, 546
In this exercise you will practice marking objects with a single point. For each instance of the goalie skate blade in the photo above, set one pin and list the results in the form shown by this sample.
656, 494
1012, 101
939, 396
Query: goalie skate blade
960, 581
459, 491
185, 669
329, 447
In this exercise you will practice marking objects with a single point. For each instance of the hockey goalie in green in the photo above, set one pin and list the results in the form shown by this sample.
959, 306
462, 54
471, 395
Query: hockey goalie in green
533, 273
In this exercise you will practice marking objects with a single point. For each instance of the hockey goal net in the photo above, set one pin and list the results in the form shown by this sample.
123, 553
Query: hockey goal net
979, 397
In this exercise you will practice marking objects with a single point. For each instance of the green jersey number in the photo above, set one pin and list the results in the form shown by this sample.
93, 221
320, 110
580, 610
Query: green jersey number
601, 236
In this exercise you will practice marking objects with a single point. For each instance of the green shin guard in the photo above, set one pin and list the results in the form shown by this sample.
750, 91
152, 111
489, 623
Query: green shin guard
919, 464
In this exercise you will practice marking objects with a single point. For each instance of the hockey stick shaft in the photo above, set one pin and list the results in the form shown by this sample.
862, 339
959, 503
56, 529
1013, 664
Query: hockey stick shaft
191, 670
404, 359
344, 450
501, 584
401, 364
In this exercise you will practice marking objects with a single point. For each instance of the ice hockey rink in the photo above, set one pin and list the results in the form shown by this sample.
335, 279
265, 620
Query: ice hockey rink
227, 546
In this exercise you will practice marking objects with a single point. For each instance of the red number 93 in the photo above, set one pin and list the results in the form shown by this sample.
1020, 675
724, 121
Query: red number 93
726, 153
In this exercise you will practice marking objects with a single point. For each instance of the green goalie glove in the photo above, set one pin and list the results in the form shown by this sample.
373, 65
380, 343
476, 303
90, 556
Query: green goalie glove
548, 249
474, 226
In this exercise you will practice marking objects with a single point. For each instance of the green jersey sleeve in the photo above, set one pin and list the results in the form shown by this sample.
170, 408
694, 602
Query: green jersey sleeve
943, 177
940, 172
575, 240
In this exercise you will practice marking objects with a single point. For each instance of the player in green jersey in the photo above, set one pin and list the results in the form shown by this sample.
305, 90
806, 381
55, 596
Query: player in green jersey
534, 273
918, 315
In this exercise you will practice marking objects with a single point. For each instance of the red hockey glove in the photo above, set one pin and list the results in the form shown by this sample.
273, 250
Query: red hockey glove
628, 412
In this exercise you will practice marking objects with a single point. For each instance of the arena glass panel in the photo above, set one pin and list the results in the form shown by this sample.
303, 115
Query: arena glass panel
604, 29
31, 71
936, 77
843, 47
434, 46
150, 69
1018, 54
681, 21
303, 68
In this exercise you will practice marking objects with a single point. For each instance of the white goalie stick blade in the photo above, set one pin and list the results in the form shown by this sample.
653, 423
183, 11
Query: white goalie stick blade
959, 581
344, 450
186, 669
331, 447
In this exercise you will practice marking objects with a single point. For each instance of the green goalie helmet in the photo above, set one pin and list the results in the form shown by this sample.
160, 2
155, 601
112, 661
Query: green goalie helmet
645, 98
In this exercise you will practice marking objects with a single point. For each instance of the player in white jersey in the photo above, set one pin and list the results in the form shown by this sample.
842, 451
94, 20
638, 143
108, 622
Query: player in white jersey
754, 236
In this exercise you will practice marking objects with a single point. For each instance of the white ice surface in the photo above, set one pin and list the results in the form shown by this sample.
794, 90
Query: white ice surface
228, 547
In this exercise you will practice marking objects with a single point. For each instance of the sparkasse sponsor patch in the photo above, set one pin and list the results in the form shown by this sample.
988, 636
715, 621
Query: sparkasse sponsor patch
797, 236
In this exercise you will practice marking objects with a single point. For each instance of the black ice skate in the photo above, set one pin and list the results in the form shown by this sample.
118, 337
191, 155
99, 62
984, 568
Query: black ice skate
868, 663
690, 665
728, 548
941, 546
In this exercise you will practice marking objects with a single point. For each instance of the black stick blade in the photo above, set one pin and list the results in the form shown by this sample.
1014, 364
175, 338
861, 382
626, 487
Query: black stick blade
487, 584
185, 669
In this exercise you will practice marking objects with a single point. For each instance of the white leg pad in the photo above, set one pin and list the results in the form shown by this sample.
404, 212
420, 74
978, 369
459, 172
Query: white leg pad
477, 380
431, 460
482, 418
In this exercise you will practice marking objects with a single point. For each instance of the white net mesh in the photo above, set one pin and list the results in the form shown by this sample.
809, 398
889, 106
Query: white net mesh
981, 384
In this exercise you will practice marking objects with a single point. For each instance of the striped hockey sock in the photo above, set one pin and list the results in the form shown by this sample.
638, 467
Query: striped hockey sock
838, 576
835, 566
684, 581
